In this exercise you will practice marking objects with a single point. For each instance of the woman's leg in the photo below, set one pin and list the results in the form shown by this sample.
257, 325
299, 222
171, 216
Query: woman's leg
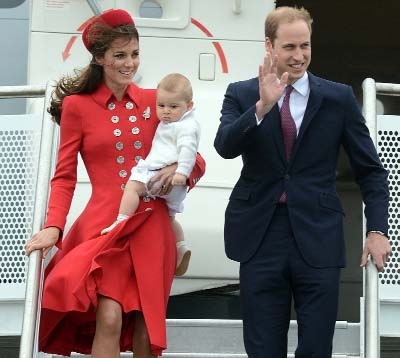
108, 329
141, 343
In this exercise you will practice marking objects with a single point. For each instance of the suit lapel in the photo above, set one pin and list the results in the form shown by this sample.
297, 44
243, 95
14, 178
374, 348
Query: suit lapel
277, 130
313, 105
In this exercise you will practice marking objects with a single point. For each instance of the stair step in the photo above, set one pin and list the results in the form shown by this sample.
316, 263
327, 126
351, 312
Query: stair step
226, 336
208, 338
204, 355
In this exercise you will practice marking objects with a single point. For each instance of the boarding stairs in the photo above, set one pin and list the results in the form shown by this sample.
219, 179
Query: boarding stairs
205, 338
223, 339
28, 153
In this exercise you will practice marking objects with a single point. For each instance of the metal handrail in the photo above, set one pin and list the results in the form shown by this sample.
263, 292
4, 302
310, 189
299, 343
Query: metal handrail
22, 91
371, 275
45, 168
371, 311
371, 282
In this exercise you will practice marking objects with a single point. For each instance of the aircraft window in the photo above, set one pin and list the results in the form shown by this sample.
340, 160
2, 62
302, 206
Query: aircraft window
150, 9
8, 4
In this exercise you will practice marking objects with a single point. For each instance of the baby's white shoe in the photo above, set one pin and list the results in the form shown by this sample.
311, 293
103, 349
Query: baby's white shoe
183, 258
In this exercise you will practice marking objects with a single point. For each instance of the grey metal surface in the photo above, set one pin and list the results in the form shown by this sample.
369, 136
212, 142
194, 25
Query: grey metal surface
225, 336
205, 336
20, 137
371, 313
25, 91
371, 293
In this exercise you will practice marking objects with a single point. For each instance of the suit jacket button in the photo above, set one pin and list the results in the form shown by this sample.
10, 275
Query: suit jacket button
287, 176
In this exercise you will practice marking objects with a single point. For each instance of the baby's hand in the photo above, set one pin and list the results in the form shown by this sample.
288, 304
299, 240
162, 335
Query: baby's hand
179, 179
109, 228
120, 218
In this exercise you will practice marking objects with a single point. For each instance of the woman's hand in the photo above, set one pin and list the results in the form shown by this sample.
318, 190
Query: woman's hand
43, 240
161, 183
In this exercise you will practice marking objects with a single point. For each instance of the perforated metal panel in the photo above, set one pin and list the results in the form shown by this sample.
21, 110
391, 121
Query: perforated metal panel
19, 152
388, 146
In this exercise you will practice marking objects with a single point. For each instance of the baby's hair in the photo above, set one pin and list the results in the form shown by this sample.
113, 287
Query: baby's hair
176, 82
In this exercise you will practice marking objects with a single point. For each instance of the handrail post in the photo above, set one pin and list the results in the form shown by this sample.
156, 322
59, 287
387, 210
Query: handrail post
31, 305
371, 311
369, 106
371, 275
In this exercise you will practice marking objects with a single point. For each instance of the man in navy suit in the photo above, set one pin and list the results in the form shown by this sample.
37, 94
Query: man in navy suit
284, 220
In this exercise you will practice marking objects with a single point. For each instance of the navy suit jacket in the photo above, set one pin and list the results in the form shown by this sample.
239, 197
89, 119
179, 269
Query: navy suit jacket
332, 118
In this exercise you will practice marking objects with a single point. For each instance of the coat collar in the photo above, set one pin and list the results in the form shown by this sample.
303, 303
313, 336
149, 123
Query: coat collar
103, 95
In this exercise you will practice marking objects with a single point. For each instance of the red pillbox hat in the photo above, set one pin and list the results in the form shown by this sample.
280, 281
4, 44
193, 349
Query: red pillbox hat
112, 18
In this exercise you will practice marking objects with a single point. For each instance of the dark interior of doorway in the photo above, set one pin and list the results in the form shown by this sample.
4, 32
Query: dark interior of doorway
353, 40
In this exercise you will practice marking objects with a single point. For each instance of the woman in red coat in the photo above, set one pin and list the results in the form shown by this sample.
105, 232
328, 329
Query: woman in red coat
106, 294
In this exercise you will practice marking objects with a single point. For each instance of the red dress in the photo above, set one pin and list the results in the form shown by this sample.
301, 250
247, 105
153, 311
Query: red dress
133, 264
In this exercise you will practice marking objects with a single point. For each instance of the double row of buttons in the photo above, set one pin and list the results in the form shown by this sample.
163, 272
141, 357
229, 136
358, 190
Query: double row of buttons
117, 133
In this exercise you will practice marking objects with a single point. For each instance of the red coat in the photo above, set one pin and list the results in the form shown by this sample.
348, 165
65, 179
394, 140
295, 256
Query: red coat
133, 264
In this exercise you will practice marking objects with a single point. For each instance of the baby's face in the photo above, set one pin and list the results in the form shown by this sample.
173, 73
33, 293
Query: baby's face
171, 106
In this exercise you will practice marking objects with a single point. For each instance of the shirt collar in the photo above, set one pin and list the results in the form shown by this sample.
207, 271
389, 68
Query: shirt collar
302, 85
187, 113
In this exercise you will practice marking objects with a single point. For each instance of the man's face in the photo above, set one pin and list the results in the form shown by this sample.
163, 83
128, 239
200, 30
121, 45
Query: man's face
292, 46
